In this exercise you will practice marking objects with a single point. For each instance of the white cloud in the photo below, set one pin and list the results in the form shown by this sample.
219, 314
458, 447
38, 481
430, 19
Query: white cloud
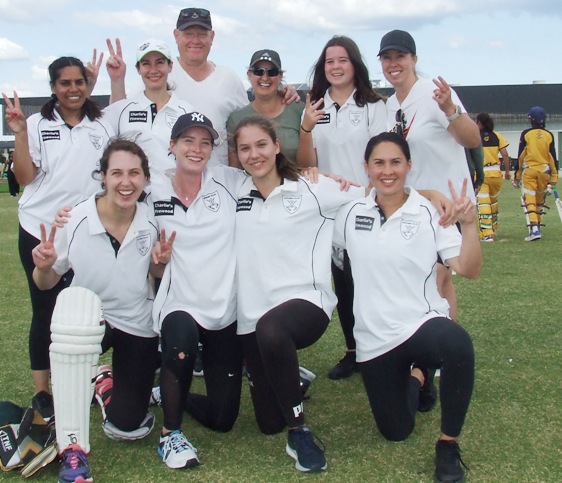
11, 51
30, 11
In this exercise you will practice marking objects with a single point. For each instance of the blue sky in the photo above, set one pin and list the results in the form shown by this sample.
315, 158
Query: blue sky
467, 42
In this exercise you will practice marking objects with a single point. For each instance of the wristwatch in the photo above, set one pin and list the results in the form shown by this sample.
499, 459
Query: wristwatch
457, 113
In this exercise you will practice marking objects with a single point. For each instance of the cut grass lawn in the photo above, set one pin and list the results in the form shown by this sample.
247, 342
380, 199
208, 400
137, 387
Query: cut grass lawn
514, 425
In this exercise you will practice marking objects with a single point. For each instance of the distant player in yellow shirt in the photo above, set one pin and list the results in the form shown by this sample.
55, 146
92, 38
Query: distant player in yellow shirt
537, 168
494, 145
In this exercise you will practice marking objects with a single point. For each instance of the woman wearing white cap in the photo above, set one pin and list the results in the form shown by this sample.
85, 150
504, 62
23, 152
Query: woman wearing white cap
431, 117
266, 77
149, 116
197, 296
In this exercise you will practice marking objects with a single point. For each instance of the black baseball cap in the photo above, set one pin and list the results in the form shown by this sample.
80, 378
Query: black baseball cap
189, 17
266, 54
398, 40
193, 119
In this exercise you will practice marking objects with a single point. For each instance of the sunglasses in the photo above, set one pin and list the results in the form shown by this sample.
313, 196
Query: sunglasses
271, 72
195, 12
401, 124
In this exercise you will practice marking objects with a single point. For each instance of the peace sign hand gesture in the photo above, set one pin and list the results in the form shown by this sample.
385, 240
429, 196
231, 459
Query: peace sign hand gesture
44, 254
93, 70
14, 116
115, 65
162, 251
312, 113
464, 206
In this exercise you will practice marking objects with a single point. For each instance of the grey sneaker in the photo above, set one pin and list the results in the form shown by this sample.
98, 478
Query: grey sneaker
308, 456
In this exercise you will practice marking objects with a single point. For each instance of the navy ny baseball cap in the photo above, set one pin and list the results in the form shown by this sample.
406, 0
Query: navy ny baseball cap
537, 114
193, 119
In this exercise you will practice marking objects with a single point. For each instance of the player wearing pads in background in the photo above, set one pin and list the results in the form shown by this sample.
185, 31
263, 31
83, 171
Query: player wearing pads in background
493, 144
107, 242
537, 168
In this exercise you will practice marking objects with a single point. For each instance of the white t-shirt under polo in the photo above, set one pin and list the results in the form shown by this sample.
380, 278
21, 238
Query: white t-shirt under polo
138, 116
284, 244
341, 137
394, 269
200, 277
216, 96
120, 280
66, 159
436, 156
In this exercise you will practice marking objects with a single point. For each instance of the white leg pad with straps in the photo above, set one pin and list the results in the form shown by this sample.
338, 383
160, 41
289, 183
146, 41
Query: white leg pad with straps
77, 329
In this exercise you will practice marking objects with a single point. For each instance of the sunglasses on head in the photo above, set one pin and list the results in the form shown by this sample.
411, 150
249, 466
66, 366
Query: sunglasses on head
259, 71
195, 12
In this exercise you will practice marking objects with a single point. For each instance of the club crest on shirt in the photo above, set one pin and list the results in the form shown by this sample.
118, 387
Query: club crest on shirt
96, 140
292, 203
409, 228
170, 119
355, 117
212, 201
143, 243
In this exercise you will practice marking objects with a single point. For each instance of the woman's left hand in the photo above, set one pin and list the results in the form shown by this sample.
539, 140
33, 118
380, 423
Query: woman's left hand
442, 95
93, 70
463, 204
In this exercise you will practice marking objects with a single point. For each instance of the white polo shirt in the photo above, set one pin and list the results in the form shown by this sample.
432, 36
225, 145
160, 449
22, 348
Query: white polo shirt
138, 116
200, 277
394, 269
66, 159
341, 137
120, 280
283, 246
216, 96
436, 156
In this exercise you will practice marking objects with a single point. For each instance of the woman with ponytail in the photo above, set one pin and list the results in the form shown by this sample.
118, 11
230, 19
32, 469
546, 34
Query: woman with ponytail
56, 152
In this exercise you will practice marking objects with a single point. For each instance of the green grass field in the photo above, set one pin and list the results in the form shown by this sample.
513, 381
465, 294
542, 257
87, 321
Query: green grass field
513, 431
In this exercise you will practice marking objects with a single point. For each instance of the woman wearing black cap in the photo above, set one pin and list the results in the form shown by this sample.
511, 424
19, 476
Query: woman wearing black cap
537, 168
266, 77
196, 300
430, 116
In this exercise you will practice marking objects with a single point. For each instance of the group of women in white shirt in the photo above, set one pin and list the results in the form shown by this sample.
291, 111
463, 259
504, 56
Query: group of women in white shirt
246, 264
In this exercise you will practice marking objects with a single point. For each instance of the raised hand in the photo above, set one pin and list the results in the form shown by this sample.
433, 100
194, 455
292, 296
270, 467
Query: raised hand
14, 116
464, 206
312, 113
290, 95
115, 65
162, 251
442, 95
93, 70
44, 254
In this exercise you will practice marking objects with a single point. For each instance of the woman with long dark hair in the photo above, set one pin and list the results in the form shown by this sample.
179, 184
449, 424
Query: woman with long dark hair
56, 152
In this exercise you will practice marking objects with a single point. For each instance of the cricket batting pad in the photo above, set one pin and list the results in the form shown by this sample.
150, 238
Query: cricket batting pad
77, 329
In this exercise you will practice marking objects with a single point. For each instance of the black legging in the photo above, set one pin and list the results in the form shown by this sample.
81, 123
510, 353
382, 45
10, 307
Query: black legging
343, 286
222, 368
272, 362
393, 393
42, 304
134, 362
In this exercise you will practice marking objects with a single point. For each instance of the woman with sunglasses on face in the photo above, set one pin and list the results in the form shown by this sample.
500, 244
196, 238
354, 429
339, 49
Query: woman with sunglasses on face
342, 113
393, 238
285, 297
149, 116
266, 77
432, 119
56, 152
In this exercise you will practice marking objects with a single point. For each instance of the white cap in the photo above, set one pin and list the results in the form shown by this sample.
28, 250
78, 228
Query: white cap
153, 45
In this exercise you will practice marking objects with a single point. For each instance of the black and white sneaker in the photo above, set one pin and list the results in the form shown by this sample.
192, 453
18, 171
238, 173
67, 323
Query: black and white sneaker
43, 402
308, 456
306, 378
428, 392
198, 367
448, 462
